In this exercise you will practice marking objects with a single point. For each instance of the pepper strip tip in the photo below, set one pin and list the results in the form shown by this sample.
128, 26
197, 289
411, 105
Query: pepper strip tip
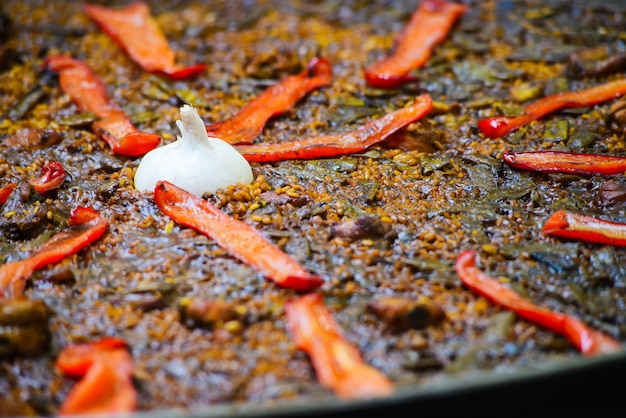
572, 225
587, 340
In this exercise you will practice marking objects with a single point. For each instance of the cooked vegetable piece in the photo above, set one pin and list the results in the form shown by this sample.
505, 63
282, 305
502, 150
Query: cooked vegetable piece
248, 123
240, 239
499, 126
5, 192
567, 224
77, 359
566, 162
106, 380
337, 362
429, 26
52, 177
85, 89
195, 162
87, 225
137, 33
344, 143
586, 340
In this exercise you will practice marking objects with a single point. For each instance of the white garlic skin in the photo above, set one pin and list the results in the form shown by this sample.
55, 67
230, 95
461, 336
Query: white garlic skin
194, 162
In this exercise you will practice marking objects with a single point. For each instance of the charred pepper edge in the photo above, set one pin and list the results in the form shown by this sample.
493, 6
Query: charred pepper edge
587, 340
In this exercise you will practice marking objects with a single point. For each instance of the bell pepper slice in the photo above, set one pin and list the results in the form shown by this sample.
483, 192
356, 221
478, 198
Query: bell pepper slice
5, 192
344, 143
52, 177
241, 240
136, 32
87, 225
566, 162
587, 340
248, 123
499, 126
76, 360
571, 225
338, 364
89, 93
429, 26
105, 384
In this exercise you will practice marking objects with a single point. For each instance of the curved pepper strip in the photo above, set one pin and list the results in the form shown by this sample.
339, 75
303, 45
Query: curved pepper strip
86, 89
5, 192
566, 162
345, 143
337, 363
571, 225
499, 126
586, 340
428, 27
241, 240
105, 370
248, 123
137, 33
52, 177
86, 226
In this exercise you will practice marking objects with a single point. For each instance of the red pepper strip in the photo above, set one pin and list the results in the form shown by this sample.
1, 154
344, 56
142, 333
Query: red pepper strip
240, 239
89, 93
575, 226
248, 123
77, 359
338, 364
5, 192
499, 126
428, 27
586, 340
566, 162
87, 226
107, 385
137, 33
52, 177
345, 143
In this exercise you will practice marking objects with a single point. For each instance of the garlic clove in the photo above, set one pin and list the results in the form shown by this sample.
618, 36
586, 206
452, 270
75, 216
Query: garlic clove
194, 162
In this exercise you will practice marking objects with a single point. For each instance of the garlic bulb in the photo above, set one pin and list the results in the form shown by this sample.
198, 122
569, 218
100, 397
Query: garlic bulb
195, 162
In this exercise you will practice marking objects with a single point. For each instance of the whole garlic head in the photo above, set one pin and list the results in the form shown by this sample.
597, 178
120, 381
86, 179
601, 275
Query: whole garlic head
194, 162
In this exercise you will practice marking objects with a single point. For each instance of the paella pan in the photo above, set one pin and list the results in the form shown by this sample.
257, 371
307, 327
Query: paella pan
259, 208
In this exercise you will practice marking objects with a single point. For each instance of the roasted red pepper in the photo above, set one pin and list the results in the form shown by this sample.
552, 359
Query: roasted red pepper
52, 177
499, 126
5, 192
77, 359
429, 26
586, 340
85, 89
338, 363
571, 225
137, 33
566, 162
345, 143
105, 368
248, 123
86, 226
240, 239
